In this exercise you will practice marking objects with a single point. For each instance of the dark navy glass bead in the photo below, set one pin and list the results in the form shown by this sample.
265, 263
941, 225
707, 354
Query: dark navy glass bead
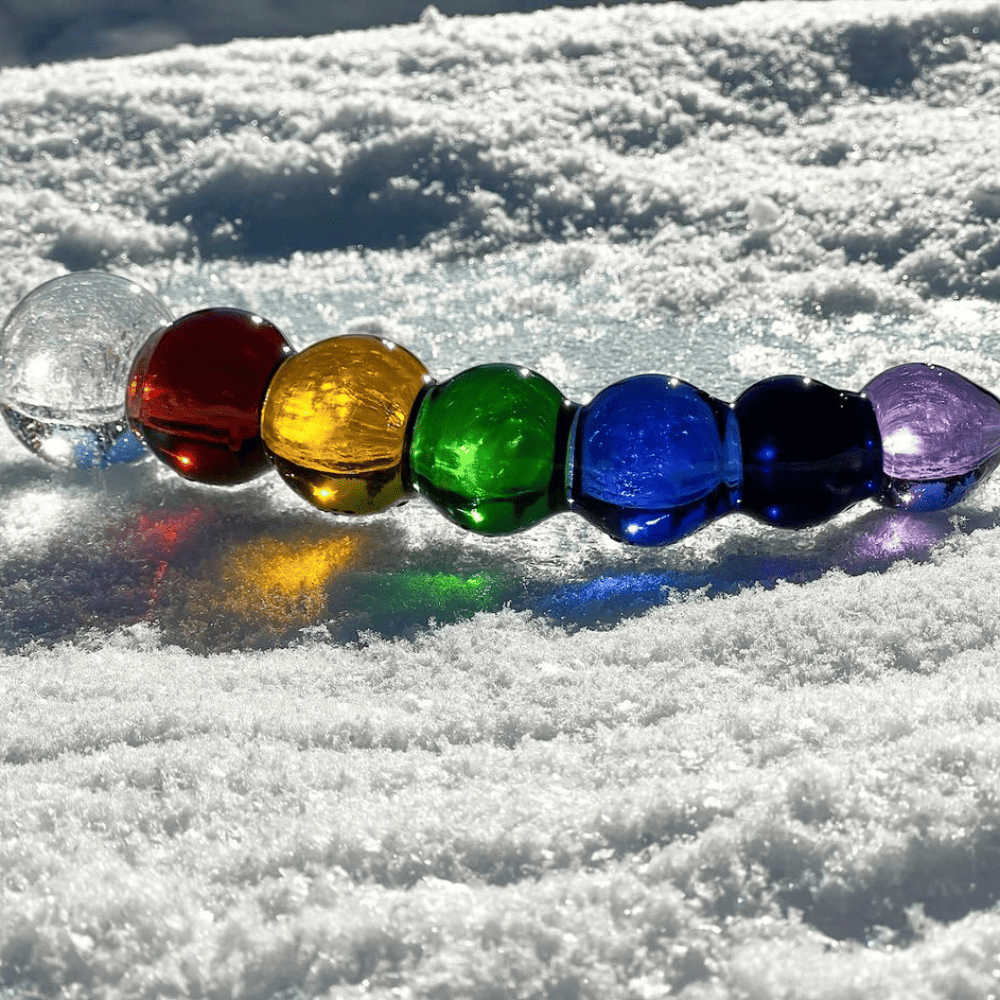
653, 459
809, 451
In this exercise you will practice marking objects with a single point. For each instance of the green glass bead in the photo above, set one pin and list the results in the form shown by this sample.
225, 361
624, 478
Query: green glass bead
489, 448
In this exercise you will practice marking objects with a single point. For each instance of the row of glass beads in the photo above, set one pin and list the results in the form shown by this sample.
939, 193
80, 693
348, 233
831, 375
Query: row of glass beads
355, 424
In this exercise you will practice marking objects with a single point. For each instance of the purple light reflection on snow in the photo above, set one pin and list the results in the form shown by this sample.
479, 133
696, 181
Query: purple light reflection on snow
901, 537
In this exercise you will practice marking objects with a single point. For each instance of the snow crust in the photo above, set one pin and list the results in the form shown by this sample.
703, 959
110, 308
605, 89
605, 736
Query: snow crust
249, 751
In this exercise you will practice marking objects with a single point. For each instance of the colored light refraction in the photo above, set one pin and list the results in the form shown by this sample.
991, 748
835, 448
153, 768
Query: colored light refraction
356, 424
284, 581
65, 354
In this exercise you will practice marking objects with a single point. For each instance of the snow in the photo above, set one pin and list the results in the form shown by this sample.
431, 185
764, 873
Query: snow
250, 751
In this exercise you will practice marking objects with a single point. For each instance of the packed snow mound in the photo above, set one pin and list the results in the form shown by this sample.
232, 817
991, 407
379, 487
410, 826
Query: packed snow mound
780, 146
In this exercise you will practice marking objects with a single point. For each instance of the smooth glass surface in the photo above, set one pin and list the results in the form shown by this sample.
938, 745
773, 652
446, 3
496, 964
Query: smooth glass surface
334, 422
654, 459
809, 451
489, 448
196, 390
940, 435
65, 354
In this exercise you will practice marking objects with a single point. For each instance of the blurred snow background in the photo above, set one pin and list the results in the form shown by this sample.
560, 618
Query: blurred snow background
52, 30
250, 751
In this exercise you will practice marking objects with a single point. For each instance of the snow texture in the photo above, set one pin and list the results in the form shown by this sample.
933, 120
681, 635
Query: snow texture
250, 751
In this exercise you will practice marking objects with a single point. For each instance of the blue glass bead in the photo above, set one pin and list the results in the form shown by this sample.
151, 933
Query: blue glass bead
653, 459
940, 435
809, 451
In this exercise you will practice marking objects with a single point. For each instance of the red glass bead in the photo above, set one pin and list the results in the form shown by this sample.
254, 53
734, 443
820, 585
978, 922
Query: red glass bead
196, 389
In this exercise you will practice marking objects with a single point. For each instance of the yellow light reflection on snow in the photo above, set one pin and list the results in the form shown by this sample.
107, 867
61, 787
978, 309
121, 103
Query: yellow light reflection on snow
281, 580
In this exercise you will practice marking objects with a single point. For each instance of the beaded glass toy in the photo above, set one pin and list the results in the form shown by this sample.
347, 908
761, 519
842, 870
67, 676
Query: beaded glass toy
91, 365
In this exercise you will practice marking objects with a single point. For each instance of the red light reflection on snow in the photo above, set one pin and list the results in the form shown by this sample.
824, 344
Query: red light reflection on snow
162, 535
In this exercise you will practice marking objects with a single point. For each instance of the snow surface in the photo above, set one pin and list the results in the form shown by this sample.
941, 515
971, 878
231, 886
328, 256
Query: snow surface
250, 751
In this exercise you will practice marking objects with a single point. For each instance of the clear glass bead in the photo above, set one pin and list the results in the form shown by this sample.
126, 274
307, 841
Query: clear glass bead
65, 354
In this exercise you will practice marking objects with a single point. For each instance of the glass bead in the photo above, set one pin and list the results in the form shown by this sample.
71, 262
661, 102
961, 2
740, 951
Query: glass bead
65, 352
940, 435
196, 389
809, 451
489, 448
334, 422
653, 459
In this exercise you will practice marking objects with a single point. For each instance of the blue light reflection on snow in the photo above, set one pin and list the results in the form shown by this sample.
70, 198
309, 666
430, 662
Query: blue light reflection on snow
608, 598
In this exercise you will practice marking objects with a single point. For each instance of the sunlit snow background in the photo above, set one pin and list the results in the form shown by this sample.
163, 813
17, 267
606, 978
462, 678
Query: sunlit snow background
251, 751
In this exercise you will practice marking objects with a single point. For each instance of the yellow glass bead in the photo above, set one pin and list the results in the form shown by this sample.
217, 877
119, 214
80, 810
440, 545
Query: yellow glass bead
334, 422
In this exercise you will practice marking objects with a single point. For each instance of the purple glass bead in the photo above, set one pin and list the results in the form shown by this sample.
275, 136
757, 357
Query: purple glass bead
940, 435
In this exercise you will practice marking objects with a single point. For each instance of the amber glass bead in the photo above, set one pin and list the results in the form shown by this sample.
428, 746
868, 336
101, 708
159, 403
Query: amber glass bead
489, 448
196, 389
334, 422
